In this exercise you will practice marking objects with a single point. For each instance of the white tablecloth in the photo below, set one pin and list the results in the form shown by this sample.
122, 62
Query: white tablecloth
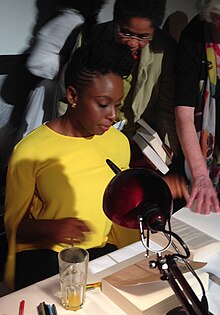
96, 302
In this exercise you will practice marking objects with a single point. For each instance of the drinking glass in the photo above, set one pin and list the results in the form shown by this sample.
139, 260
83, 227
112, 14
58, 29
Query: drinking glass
73, 266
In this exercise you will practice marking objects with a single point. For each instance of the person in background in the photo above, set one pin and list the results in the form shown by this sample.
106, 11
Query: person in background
58, 173
149, 91
175, 23
198, 106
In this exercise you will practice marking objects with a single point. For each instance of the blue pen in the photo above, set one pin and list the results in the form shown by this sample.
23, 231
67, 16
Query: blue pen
46, 308
50, 309
54, 310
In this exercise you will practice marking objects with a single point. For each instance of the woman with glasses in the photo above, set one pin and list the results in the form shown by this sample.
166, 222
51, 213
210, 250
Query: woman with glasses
149, 91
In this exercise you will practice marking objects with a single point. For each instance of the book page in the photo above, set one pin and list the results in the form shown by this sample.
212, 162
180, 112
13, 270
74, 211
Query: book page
200, 244
208, 223
193, 237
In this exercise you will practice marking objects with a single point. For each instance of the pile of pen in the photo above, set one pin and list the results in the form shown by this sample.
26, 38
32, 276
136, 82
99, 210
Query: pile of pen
47, 309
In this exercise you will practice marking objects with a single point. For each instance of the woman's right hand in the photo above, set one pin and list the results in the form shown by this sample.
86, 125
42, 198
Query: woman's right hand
69, 230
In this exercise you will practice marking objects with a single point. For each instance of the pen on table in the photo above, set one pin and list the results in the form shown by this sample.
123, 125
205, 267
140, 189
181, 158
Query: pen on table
54, 309
41, 310
21, 307
46, 310
50, 309
93, 285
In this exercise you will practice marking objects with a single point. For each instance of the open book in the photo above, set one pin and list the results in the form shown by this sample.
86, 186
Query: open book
152, 146
200, 244
138, 290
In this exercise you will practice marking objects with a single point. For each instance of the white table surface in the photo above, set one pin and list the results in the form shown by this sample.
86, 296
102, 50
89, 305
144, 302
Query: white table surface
96, 302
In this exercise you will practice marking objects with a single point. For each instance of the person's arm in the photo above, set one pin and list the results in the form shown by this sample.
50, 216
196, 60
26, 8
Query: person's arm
21, 190
69, 231
44, 59
188, 75
202, 191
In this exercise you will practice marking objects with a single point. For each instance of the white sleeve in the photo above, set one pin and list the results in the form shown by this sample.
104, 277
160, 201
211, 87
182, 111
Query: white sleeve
44, 60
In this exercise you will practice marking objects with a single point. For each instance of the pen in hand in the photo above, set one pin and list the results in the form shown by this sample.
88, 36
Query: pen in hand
21, 307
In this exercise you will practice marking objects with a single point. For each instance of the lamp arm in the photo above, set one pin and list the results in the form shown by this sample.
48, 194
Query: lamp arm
185, 295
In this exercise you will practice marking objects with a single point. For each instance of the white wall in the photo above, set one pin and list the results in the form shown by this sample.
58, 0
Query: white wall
187, 6
17, 18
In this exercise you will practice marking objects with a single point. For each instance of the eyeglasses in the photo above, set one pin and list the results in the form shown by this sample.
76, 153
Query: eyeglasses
129, 35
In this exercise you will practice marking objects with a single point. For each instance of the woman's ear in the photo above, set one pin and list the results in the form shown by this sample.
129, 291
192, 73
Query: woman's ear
71, 95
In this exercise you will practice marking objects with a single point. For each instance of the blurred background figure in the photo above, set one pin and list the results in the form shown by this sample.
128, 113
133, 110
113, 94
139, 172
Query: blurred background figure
34, 79
31, 84
49, 53
198, 105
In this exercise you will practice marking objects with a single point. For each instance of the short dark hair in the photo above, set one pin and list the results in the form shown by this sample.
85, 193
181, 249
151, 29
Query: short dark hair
95, 58
153, 10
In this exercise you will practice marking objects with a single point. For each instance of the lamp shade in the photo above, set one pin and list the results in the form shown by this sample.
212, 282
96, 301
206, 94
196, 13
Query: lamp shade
138, 192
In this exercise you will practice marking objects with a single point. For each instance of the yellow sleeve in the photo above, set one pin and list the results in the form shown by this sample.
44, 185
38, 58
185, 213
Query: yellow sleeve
20, 187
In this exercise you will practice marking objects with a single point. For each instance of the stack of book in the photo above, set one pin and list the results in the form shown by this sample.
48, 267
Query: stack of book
138, 290
152, 146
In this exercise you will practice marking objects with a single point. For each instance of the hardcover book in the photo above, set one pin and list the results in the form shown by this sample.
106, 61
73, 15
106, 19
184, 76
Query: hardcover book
158, 143
149, 152
152, 146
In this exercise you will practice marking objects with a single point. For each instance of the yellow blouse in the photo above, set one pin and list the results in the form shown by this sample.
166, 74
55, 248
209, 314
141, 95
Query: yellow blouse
60, 176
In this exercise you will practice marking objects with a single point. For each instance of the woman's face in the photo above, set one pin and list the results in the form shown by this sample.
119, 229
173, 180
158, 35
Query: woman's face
97, 105
136, 33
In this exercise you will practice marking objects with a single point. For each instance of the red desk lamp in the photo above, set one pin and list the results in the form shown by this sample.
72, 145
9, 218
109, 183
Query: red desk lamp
140, 199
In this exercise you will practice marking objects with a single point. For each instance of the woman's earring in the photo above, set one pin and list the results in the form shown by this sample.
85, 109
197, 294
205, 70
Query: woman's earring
73, 105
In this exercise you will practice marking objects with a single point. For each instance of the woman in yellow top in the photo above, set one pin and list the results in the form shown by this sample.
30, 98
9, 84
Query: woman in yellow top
58, 173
